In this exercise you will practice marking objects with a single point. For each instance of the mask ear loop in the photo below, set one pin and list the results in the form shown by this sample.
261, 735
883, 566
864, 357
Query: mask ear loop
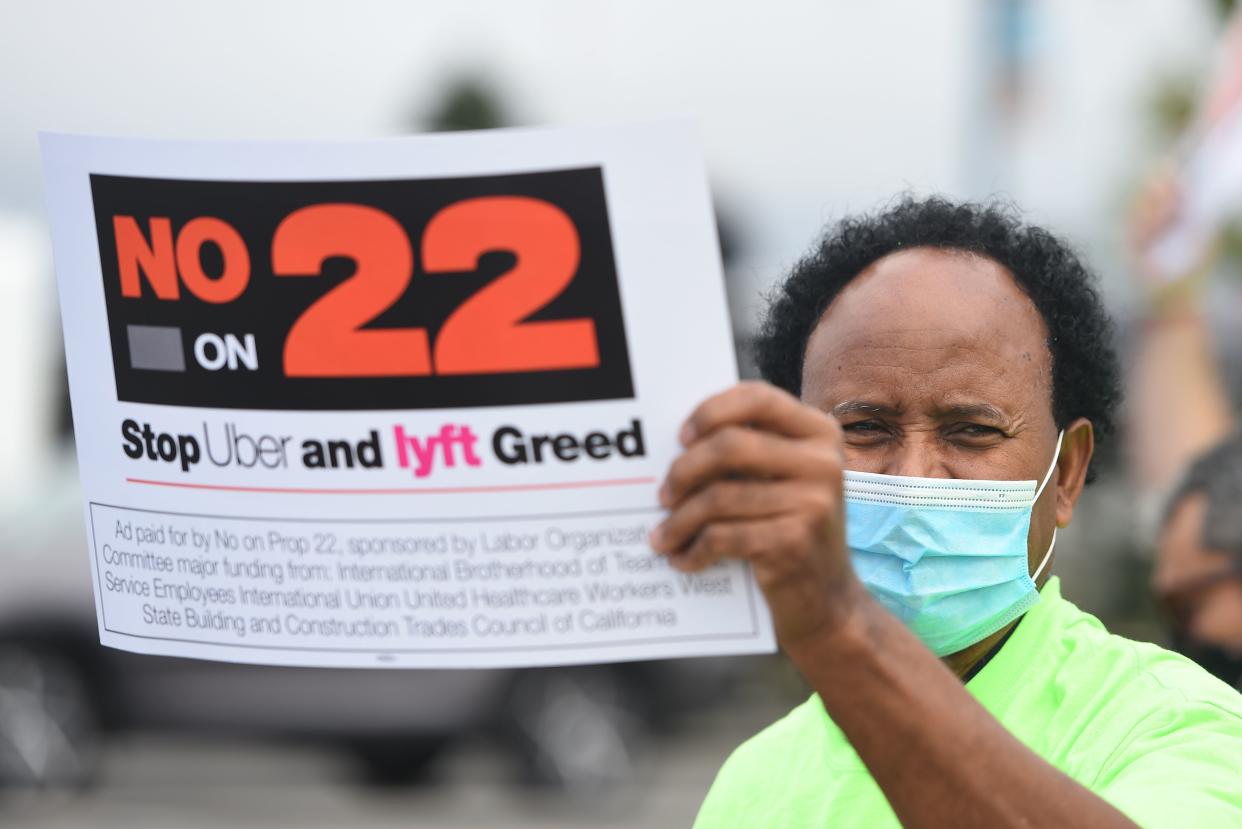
1048, 555
1056, 456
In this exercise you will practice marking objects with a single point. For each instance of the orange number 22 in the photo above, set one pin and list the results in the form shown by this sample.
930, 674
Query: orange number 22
486, 334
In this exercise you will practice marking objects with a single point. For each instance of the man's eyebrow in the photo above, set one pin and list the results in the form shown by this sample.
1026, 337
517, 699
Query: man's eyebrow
968, 411
979, 411
847, 407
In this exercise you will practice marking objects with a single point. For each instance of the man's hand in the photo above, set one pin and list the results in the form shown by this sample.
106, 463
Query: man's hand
760, 480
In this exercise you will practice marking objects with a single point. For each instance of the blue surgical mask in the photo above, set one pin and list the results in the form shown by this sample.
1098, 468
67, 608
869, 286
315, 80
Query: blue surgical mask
946, 556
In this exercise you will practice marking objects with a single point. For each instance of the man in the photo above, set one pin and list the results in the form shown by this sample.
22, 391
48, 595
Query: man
954, 373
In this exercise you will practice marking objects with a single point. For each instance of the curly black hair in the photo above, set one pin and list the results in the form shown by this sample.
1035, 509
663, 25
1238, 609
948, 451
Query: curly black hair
1086, 376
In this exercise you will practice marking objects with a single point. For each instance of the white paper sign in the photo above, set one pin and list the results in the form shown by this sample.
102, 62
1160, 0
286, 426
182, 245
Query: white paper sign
1211, 182
1210, 174
397, 403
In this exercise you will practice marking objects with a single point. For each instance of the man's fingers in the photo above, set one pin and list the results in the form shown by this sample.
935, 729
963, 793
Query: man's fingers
740, 451
748, 540
758, 404
726, 500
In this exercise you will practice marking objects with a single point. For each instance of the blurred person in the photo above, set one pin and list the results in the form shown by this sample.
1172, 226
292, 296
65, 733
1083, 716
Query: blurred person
1179, 405
940, 376
1198, 577
1185, 446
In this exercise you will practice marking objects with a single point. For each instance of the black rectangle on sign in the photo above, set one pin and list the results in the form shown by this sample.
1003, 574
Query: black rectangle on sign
426, 293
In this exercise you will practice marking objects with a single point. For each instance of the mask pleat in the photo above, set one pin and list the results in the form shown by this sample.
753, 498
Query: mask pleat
946, 556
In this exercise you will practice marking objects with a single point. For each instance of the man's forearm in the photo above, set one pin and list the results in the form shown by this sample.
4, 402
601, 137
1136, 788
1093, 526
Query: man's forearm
939, 757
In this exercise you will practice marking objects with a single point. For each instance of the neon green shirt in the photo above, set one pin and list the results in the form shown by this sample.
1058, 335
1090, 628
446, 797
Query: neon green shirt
1146, 729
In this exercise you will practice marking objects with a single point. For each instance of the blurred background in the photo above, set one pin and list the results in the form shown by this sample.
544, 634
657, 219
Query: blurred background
1087, 115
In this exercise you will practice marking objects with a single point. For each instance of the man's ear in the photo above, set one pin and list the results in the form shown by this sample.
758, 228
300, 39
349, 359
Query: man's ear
1077, 447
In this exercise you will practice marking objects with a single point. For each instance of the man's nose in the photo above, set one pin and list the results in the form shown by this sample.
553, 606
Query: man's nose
917, 460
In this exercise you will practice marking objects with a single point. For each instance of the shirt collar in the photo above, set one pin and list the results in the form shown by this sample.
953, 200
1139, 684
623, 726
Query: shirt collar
1001, 674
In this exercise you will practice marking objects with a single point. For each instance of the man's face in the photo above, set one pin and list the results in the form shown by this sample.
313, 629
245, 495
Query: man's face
1188, 579
936, 365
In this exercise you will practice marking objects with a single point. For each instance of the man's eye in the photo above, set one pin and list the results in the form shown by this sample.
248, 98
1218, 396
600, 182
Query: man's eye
864, 427
977, 430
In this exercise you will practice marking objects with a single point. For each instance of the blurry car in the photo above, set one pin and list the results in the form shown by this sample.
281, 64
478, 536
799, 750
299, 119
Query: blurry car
61, 692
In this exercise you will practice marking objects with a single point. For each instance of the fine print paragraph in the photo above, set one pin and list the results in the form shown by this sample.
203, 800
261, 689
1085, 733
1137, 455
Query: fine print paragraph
576, 581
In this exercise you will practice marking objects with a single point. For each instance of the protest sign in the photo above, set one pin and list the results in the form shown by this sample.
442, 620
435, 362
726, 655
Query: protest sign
399, 403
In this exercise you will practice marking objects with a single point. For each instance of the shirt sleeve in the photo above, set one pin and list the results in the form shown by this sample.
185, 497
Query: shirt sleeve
1179, 768
728, 798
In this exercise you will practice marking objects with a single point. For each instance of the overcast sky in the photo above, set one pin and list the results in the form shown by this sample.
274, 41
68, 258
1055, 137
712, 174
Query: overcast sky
807, 109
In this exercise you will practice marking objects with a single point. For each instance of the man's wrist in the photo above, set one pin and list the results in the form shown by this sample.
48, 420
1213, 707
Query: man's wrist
1176, 299
845, 641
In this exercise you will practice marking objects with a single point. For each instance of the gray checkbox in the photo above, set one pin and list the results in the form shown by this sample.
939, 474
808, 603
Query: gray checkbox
155, 347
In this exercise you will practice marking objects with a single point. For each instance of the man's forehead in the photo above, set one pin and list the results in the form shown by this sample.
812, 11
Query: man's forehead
926, 309
923, 290
966, 381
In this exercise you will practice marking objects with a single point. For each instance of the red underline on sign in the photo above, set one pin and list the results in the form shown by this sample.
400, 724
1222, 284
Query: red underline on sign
442, 490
